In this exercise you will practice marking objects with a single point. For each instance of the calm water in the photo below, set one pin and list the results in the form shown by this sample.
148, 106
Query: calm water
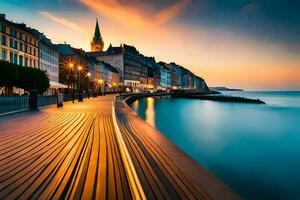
255, 149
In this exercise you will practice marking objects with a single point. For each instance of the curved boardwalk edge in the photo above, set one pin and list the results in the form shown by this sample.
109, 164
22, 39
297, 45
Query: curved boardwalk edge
135, 185
164, 170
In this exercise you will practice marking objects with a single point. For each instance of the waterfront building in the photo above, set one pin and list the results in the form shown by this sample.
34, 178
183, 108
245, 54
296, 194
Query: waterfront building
102, 73
130, 64
177, 75
18, 45
186, 79
48, 61
111, 77
135, 72
153, 73
97, 43
165, 76
113, 56
93, 72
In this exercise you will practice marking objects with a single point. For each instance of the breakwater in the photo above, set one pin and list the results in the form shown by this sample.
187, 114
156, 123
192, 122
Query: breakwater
202, 95
223, 98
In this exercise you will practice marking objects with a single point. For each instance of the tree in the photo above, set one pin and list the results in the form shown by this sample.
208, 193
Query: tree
8, 74
23, 77
31, 78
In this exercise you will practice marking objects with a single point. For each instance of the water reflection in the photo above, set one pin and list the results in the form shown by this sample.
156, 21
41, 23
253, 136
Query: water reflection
135, 105
150, 114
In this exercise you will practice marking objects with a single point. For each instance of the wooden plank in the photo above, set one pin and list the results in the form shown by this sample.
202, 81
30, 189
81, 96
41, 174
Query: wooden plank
102, 182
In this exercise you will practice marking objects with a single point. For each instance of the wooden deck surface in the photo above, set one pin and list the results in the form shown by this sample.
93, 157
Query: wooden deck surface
67, 153
73, 153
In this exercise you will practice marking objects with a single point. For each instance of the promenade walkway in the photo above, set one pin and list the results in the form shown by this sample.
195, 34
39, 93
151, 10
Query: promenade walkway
66, 153
74, 152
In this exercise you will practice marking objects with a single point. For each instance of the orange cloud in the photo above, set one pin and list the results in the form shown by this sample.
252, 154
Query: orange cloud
171, 12
62, 21
135, 15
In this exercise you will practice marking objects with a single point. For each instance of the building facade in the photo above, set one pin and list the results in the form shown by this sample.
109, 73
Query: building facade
165, 77
48, 61
18, 44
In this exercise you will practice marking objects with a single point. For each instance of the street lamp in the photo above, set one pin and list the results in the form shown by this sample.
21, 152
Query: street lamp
71, 67
80, 98
88, 75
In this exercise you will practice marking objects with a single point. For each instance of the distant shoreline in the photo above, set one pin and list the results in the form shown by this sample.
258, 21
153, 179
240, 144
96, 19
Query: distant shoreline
224, 89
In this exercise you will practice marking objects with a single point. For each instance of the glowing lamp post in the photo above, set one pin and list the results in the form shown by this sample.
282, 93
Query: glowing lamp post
80, 97
88, 75
71, 68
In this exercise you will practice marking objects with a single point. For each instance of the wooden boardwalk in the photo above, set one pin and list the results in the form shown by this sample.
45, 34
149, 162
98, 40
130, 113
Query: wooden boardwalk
75, 152
67, 153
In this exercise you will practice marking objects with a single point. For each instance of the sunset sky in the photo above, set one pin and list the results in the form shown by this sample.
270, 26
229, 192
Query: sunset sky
246, 44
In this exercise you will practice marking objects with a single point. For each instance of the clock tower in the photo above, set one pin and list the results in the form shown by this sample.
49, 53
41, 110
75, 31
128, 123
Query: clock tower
97, 43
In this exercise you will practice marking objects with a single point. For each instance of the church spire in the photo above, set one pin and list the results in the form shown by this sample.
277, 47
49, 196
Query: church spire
97, 43
97, 34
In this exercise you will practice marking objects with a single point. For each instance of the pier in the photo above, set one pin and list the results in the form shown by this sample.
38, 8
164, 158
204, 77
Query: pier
97, 149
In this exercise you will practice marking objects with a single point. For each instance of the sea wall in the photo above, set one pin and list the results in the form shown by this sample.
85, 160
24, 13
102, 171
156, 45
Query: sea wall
202, 95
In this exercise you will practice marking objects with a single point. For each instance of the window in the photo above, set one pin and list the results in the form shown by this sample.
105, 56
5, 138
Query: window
25, 48
11, 57
3, 40
16, 44
34, 53
21, 36
3, 54
21, 46
20, 60
15, 33
30, 40
26, 38
29, 62
11, 42
15, 58
26, 62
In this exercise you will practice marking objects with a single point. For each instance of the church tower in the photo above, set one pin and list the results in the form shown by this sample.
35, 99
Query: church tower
97, 43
